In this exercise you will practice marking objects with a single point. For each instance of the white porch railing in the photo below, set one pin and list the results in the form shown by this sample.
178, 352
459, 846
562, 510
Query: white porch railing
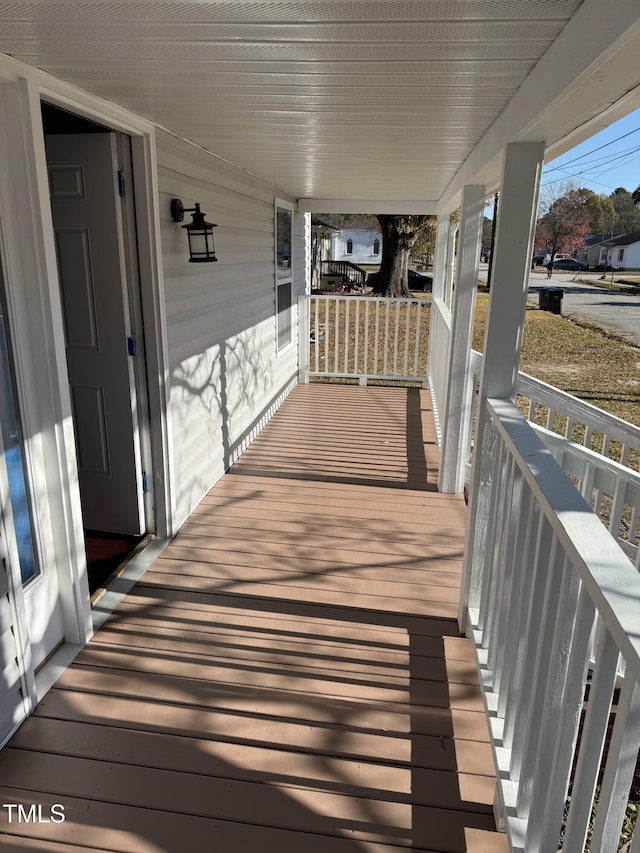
596, 449
547, 570
364, 337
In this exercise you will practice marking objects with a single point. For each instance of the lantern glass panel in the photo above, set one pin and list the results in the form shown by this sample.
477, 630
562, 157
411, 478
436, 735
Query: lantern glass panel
200, 245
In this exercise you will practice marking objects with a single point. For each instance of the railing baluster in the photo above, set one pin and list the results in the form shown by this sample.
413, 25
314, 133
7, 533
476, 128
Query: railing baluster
407, 326
624, 454
376, 339
336, 348
356, 345
510, 598
556, 627
396, 338
563, 743
545, 553
347, 325
592, 742
620, 769
531, 410
416, 359
550, 419
508, 684
385, 349
327, 328
316, 326
366, 370
507, 515
487, 578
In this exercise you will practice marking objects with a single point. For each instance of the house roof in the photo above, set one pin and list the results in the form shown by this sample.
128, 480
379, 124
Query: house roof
372, 106
623, 239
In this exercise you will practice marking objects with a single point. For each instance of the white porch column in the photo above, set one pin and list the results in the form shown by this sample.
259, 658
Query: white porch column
451, 263
303, 306
503, 340
437, 292
457, 420
440, 259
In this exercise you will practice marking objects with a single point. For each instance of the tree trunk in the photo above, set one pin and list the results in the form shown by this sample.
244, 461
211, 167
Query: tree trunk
397, 241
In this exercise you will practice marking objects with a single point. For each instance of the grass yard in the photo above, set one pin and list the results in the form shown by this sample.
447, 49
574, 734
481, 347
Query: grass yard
584, 362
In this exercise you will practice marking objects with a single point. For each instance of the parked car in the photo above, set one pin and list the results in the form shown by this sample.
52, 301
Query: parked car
570, 264
416, 281
420, 281
538, 258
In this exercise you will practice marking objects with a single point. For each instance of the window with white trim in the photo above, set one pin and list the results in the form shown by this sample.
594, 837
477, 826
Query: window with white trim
284, 273
349, 249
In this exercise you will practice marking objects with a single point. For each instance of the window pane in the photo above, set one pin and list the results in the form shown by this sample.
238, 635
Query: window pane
14, 459
284, 315
283, 242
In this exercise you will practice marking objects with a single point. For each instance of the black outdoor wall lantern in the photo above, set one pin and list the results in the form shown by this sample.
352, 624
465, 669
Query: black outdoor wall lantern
199, 232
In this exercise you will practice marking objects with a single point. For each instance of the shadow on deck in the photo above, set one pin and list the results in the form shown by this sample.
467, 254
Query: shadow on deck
287, 675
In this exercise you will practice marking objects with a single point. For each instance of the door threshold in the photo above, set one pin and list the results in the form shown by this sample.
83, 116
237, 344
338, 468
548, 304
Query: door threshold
119, 570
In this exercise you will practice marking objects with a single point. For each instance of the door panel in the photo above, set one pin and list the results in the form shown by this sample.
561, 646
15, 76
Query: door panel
79, 302
87, 224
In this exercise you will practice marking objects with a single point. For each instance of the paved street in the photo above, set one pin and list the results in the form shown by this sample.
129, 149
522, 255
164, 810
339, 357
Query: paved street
610, 310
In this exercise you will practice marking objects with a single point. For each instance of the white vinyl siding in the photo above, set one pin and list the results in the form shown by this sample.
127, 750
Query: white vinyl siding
225, 377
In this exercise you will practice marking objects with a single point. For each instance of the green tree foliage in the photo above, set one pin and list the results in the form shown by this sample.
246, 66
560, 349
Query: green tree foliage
601, 213
627, 214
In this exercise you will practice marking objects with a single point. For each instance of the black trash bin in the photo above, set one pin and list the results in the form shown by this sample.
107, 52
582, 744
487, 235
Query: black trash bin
556, 295
543, 298
550, 299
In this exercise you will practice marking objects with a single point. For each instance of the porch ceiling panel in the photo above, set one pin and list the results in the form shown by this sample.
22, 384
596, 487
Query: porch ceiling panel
344, 100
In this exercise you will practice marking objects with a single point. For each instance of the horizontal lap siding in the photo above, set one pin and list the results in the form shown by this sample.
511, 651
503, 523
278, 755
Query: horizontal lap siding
225, 374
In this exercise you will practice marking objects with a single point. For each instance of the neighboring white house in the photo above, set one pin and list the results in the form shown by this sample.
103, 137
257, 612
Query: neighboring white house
623, 252
360, 245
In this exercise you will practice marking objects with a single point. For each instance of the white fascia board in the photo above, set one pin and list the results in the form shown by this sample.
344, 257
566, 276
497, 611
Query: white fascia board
351, 205
591, 69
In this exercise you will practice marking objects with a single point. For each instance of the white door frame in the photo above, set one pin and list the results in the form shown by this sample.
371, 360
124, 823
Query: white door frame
28, 250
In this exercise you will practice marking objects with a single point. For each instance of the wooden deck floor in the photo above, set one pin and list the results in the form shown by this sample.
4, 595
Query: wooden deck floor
287, 676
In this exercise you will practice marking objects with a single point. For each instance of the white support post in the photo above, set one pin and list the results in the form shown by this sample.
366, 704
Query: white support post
451, 264
303, 318
503, 339
440, 259
437, 289
457, 420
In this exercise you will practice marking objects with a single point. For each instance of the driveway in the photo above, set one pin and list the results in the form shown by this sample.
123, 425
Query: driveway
610, 310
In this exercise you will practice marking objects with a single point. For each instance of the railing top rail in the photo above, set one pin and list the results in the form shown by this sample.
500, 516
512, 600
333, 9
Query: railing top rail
366, 297
566, 404
610, 579
547, 394
591, 456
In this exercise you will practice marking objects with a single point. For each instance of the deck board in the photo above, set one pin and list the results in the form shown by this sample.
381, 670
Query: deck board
288, 674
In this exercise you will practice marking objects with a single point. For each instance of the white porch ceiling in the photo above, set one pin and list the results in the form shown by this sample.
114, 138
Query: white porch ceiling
327, 100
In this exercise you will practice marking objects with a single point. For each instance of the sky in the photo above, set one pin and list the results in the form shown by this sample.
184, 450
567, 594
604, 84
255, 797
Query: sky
616, 163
